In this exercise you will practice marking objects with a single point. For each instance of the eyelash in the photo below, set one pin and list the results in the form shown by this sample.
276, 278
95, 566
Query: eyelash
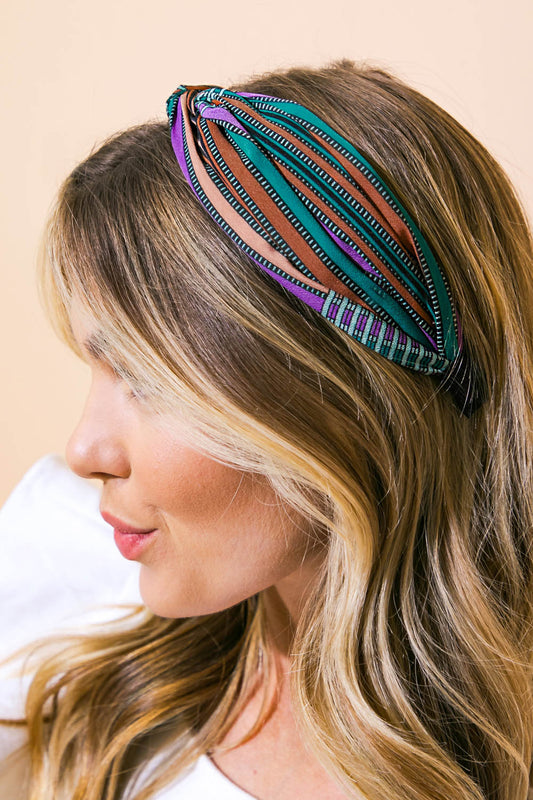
131, 394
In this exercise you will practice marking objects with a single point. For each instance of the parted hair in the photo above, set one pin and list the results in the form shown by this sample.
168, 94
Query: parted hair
411, 664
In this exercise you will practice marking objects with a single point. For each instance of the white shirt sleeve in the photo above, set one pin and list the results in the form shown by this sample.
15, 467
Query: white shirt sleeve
58, 566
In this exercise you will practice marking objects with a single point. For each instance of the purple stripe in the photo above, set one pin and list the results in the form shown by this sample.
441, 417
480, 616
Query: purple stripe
332, 310
309, 298
433, 342
354, 255
348, 314
370, 268
376, 327
219, 113
176, 136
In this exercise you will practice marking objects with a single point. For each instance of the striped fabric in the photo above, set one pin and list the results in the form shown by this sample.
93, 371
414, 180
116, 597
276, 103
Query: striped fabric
311, 211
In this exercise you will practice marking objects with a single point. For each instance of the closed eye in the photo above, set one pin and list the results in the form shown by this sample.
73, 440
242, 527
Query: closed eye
133, 391
98, 352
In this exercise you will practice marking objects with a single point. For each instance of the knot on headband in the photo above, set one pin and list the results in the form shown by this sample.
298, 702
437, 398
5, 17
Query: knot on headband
313, 213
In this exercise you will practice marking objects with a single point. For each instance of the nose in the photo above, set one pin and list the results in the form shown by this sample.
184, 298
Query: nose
97, 446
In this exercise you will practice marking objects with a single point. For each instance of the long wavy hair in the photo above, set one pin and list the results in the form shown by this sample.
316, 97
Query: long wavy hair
412, 661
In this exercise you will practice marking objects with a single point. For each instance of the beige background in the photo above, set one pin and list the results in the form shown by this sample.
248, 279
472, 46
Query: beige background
76, 71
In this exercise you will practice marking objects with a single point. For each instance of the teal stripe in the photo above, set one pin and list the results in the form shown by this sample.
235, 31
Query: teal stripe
309, 223
386, 252
373, 234
449, 338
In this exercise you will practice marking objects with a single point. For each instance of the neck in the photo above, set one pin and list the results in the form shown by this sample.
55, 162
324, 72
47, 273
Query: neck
284, 603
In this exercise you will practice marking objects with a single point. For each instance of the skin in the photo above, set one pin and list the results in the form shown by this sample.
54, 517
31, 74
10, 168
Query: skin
223, 535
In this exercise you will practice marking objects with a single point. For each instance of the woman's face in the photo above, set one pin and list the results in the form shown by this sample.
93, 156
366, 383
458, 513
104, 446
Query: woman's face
222, 534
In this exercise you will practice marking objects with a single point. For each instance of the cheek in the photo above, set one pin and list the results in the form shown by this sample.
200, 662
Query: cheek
225, 536
187, 488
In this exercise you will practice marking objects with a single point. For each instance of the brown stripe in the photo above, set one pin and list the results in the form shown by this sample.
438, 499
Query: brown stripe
225, 180
232, 217
365, 201
400, 231
369, 198
380, 210
372, 257
277, 218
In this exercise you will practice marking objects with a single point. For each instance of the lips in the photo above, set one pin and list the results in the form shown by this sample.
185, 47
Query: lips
121, 526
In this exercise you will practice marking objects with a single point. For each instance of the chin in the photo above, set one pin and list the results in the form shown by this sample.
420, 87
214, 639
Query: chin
173, 604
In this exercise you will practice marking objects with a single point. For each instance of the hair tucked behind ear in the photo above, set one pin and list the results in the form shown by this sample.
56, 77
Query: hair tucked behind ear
413, 657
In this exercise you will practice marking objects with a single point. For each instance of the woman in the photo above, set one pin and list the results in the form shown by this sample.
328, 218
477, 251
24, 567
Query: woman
307, 308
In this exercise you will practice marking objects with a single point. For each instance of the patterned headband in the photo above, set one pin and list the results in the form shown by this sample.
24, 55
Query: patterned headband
311, 211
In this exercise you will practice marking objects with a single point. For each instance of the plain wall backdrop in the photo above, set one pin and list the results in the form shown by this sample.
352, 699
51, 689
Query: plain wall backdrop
75, 72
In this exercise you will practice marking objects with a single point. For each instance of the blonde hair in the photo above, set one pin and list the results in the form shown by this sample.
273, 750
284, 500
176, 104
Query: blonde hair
412, 660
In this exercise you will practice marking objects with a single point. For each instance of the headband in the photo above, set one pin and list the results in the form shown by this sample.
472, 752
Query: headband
312, 212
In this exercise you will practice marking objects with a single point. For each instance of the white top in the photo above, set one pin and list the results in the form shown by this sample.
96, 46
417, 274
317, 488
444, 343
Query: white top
58, 566
203, 781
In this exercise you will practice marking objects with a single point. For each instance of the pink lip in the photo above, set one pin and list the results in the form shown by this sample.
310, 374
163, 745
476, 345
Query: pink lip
123, 527
131, 545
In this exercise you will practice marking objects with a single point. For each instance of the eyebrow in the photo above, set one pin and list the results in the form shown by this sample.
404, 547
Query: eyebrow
97, 346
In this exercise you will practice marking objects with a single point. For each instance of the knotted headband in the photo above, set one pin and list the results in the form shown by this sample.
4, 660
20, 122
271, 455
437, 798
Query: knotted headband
311, 211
